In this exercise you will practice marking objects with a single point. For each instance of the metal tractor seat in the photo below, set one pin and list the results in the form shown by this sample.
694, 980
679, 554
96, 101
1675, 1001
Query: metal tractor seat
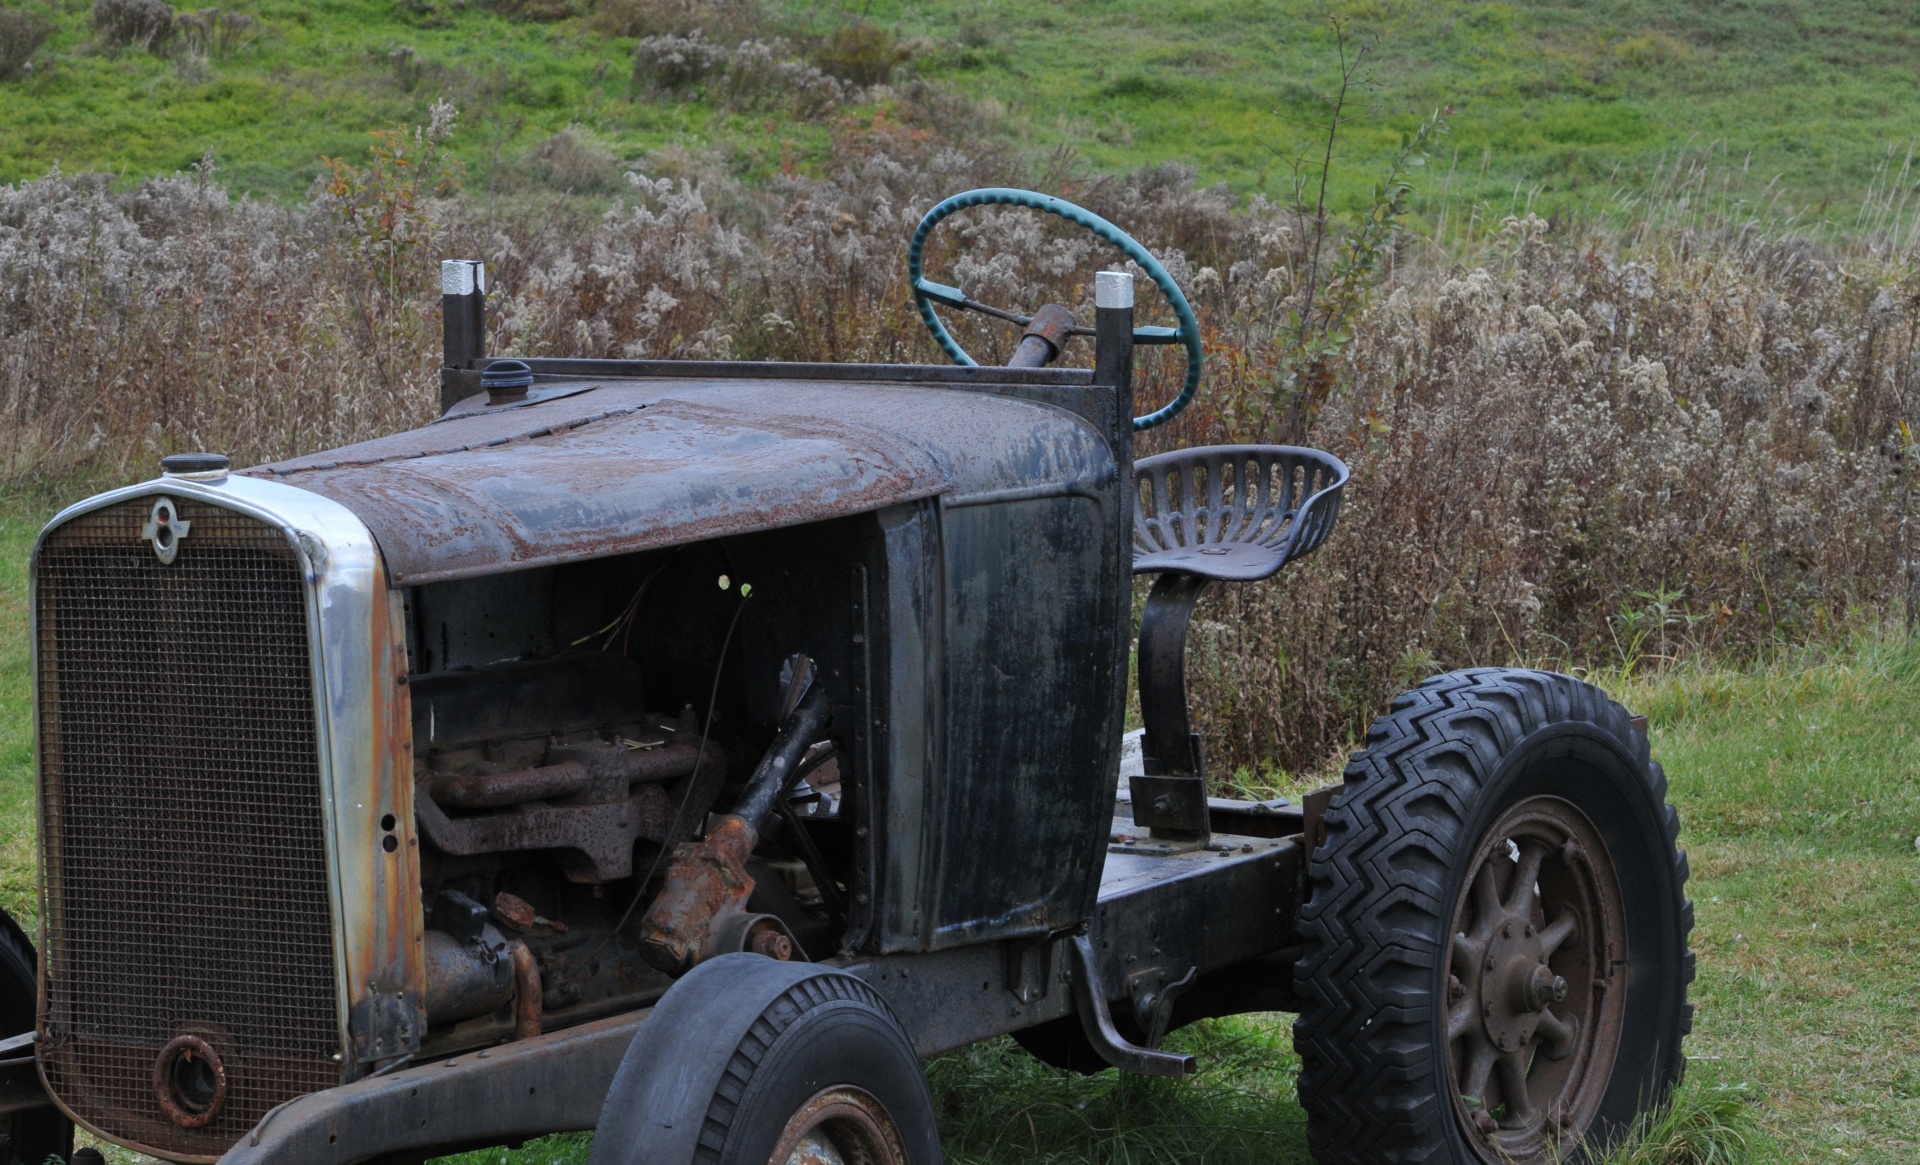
1237, 513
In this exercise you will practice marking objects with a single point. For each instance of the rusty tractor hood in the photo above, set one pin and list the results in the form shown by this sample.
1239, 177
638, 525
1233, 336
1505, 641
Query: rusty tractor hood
593, 468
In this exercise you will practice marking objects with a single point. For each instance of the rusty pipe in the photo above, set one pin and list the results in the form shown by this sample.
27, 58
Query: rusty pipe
1045, 338
568, 778
526, 992
493, 790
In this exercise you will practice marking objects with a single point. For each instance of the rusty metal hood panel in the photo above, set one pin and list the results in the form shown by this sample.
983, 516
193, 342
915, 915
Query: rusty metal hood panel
634, 465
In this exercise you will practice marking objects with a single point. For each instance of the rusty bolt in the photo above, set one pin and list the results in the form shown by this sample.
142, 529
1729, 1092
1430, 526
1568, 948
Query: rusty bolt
773, 944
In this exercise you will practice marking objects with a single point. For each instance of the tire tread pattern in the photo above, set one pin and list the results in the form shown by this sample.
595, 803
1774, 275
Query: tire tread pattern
775, 1019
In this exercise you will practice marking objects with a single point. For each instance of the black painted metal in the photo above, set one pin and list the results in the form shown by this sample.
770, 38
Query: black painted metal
1096, 1023
1235, 512
1172, 806
463, 336
724, 370
1169, 745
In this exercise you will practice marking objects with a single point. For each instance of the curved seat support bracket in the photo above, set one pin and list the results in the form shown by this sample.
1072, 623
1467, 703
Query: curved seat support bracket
1171, 799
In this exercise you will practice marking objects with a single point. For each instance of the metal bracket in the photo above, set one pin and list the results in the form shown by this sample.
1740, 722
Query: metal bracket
1172, 798
1096, 1021
1029, 967
1153, 1000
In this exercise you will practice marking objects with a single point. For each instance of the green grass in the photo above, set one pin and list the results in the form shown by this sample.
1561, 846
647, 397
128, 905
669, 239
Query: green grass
1800, 802
1560, 103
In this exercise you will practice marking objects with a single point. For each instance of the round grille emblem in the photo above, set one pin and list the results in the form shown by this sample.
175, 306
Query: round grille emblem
165, 527
190, 1082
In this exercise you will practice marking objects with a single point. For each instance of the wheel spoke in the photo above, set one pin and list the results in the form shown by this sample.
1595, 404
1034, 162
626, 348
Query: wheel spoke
1558, 932
1466, 957
1520, 890
1555, 1036
1460, 1019
1486, 900
1513, 1088
1479, 1067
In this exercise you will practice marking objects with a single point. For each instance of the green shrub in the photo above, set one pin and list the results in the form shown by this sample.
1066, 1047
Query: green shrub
862, 54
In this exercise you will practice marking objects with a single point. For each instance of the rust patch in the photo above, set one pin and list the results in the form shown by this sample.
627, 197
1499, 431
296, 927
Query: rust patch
643, 464
707, 883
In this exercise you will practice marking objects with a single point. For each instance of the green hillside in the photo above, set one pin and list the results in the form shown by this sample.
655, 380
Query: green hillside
1563, 102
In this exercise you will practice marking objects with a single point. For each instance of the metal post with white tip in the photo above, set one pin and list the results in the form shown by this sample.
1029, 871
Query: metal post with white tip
463, 328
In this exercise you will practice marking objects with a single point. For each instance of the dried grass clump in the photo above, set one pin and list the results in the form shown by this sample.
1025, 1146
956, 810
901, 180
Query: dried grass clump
21, 35
140, 24
724, 20
214, 33
1566, 456
173, 317
753, 74
1580, 449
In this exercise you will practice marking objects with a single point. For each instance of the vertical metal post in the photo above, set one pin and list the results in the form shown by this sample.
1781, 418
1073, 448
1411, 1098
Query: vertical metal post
1113, 369
1113, 359
463, 328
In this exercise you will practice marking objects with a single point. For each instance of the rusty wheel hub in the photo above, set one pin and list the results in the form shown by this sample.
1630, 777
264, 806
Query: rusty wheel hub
840, 1126
1533, 1002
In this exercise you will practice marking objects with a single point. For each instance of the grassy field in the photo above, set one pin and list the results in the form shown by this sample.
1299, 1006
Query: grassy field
1560, 103
1800, 800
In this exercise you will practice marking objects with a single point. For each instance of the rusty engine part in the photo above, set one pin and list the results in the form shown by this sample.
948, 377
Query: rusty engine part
465, 979
593, 773
701, 910
469, 967
518, 915
473, 970
526, 992
595, 828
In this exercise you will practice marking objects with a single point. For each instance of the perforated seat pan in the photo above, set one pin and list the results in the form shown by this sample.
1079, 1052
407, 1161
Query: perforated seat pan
1233, 512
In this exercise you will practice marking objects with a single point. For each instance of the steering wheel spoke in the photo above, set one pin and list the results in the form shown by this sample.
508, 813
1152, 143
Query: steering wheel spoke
927, 294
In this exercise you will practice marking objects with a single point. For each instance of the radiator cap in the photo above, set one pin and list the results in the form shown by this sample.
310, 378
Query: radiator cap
506, 380
196, 466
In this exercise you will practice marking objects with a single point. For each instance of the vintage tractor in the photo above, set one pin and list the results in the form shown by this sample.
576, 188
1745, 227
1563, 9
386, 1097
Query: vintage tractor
685, 751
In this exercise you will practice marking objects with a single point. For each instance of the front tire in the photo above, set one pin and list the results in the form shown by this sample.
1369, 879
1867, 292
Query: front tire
1496, 964
749, 1061
30, 1137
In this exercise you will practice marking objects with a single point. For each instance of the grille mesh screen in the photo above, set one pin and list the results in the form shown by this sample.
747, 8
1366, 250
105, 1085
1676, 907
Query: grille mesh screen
184, 849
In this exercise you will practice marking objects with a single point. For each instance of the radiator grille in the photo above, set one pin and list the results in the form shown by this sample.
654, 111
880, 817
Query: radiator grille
186, 875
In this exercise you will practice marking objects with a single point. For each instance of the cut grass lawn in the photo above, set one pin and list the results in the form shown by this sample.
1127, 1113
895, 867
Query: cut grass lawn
1560, 103
1800, 801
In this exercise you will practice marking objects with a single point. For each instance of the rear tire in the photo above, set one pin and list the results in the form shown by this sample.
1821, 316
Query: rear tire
749, 1061
29, 1138
1496, 962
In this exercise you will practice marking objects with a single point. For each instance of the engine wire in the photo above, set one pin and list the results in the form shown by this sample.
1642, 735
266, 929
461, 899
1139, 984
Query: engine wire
693, 780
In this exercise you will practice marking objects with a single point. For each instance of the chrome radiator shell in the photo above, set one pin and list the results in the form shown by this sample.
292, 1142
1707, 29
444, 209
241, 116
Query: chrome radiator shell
356, 665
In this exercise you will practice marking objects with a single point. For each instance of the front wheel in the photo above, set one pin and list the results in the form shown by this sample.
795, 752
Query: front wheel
1496, 959
749, 1061
32, 1136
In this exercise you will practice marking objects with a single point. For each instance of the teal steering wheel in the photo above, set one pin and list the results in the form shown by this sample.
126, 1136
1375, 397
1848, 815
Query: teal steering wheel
926, 293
